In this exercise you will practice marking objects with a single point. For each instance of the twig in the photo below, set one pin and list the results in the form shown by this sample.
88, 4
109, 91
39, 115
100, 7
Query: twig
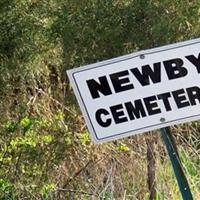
32, 99
124, 197
80, 171
77, 173
74, 191
56, 101
109, 183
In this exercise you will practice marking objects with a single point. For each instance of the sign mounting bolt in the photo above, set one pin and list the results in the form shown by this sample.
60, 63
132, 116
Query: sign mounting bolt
142, 56
162, 119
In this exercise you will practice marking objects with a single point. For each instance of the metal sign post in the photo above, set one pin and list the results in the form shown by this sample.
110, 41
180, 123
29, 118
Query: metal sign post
176, 163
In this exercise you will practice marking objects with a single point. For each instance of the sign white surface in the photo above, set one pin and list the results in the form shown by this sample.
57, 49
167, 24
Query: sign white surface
140, 92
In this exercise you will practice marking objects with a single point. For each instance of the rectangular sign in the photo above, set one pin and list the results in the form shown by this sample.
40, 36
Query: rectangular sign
140, 92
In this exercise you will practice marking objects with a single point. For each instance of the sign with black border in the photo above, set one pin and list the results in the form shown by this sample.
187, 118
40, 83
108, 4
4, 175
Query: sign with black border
139, 92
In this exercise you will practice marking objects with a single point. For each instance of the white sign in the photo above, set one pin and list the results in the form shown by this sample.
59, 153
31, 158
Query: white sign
140, 92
